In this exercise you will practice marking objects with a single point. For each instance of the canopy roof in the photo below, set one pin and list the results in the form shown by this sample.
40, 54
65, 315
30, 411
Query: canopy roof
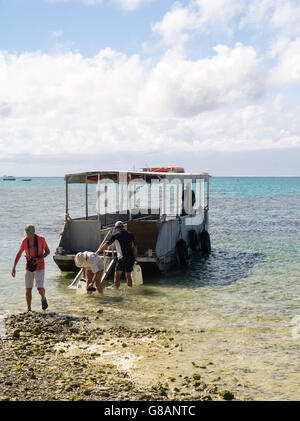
91, 177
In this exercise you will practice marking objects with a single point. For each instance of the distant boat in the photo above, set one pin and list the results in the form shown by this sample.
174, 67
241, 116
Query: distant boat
27, 179
8, 178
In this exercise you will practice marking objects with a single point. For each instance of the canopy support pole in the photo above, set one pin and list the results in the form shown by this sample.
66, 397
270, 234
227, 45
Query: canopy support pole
86, 200
129, 196
67, 197
98, 200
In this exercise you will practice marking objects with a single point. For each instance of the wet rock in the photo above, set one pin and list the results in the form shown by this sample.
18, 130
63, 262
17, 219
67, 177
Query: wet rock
16, 333
227, 395
206, 398
106, 394
36, 331
8, 383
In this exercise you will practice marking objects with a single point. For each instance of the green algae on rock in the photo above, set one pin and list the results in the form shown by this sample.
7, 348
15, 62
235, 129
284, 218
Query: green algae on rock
227, 395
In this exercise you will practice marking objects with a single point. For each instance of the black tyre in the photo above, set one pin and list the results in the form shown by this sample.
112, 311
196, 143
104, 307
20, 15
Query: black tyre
193, 240
182, 252
204, 239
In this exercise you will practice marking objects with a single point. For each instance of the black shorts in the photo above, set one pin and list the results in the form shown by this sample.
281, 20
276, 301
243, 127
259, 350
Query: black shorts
125, 264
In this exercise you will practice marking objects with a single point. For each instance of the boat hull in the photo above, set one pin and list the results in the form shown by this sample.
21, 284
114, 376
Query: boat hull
156, 240
67, 264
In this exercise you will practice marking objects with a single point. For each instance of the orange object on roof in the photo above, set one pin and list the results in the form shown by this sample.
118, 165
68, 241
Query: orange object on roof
167, 169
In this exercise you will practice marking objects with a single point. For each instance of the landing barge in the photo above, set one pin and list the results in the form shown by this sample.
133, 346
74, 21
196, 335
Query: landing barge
165, 208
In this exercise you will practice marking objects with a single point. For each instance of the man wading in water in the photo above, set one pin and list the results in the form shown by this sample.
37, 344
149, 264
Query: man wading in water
126, 251
36, 250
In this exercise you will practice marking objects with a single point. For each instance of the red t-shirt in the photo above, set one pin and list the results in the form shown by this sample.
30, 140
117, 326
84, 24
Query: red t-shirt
32, 252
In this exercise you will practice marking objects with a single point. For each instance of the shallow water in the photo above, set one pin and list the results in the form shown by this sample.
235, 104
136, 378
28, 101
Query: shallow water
237, 309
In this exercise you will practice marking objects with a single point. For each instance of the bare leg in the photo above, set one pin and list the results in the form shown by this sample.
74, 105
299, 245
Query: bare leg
97, 279
129, 279
42, 293
118, 275
89, 278
28, 297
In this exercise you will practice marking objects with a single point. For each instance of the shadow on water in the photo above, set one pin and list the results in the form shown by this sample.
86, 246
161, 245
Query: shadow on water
220, 268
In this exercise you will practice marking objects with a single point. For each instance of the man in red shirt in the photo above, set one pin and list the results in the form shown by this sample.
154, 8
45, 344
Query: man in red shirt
36, 250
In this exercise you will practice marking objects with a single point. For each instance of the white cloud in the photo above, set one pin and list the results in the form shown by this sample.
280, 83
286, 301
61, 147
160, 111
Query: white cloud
257, 11
278, 15
180, 87
278, 21
199, 15
175, 24
64, 103
286, 18
287, 70
219, 12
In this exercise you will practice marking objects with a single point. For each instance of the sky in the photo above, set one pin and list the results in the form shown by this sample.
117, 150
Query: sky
211, 86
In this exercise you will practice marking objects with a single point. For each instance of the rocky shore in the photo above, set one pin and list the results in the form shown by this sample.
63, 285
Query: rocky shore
51, 357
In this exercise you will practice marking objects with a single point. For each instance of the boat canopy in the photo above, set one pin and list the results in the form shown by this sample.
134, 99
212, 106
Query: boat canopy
125, 197
124, 177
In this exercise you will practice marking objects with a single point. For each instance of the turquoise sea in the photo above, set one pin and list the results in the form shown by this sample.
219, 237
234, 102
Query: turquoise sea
238, 309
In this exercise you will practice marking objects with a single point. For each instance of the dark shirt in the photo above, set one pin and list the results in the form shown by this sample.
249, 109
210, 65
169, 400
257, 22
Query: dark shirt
124, 241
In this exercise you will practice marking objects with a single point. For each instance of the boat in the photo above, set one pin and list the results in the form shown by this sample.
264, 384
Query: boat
8, 178
27, 179
166, 210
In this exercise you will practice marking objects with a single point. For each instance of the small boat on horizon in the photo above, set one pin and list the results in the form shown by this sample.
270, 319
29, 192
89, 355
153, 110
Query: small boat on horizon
8, 178
27, 179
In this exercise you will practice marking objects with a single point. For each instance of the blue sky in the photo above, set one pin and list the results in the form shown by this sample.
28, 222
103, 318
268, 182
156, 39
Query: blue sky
31, 25
91, 84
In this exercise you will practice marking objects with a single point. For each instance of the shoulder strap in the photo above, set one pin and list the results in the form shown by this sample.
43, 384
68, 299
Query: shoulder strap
28, 254
36, 245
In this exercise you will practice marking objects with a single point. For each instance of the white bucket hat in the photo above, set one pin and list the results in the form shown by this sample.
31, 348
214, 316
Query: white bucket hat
80, 259
119, 224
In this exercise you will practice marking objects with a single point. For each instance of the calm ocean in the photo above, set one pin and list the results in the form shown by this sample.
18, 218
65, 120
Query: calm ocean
238, 309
